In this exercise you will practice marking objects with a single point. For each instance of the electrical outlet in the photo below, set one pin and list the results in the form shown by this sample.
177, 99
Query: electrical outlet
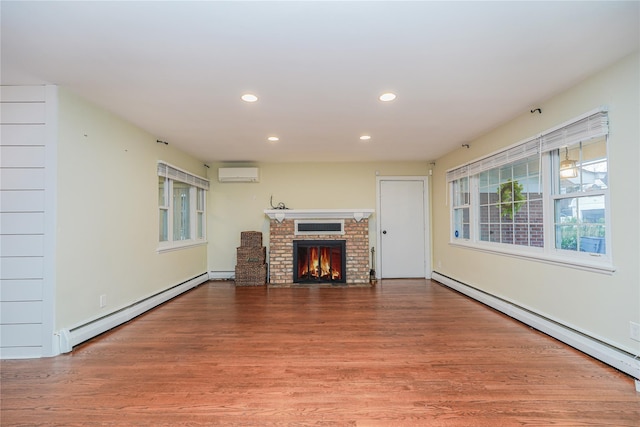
439, 264
103, 301
634, 331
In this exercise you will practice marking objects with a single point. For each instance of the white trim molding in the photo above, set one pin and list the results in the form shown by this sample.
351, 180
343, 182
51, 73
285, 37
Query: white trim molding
80, 333
608, 354
282, 214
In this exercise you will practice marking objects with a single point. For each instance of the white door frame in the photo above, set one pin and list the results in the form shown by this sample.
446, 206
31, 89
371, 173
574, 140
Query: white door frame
426, 219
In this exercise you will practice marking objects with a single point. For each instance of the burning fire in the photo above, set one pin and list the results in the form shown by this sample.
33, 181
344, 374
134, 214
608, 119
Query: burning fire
320, 263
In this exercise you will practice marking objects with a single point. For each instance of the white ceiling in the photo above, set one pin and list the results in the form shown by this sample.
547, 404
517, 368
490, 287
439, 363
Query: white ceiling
177, 69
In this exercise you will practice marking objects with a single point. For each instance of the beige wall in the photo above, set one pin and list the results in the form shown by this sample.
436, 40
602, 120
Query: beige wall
599, 304
236, 207
107, 210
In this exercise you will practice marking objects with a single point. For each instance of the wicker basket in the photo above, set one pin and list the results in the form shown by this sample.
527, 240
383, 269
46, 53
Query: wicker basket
251, 238
251, 255
251, 275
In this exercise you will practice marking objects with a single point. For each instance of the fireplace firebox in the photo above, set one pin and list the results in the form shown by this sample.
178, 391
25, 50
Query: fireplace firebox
319, 261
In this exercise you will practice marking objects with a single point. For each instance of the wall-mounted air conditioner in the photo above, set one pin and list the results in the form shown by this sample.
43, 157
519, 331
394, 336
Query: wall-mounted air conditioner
238, 175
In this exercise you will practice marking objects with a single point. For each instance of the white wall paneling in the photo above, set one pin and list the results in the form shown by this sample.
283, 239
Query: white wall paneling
23, 113
21, 222
23, 135
23, 93
21, 245
22, 201
22, 179
28, 118
21, 290
21, 268
21, 156
21, 335
21, 312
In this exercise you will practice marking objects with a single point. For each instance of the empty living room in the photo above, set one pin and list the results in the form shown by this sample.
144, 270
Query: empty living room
343, 213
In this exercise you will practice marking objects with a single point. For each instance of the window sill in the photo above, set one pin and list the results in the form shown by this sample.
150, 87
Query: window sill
578, 262
175, 246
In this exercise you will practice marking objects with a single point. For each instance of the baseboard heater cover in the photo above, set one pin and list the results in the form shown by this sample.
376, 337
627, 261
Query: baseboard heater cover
616, 358
222, 275
79, 334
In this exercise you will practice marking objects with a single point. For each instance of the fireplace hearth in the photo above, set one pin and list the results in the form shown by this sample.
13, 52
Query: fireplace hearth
319, 261
349, 228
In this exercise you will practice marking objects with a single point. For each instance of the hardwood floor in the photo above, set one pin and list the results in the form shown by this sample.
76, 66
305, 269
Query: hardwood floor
405, 353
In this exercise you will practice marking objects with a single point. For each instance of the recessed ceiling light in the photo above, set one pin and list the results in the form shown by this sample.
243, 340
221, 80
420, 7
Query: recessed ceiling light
273, 138
249, 97
365, 137
386, 97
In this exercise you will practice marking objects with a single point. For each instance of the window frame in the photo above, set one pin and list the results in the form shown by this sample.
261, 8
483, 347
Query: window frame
548, 253
197, 186
556, 194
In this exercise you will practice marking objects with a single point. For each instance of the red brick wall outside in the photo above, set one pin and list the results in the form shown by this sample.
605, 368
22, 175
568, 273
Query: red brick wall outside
281, 250
524, 229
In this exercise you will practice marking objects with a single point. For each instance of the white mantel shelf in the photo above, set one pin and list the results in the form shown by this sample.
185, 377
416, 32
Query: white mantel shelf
282, 214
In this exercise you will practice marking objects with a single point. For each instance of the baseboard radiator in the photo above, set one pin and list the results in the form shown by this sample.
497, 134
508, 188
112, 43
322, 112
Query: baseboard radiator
612, 356
222, 275
79, 334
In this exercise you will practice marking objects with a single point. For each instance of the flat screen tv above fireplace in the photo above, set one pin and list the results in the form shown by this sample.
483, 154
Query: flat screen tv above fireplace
319, 261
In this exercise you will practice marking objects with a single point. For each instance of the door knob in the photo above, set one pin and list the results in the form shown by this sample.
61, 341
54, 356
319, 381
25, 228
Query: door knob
384, 231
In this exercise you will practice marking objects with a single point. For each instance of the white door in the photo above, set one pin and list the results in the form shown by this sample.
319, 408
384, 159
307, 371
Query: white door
402, 227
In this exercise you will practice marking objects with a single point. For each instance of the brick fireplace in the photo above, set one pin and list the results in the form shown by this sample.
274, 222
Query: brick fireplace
289, 225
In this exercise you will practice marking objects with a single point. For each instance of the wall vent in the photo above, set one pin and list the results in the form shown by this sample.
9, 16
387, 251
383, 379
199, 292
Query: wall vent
319, 227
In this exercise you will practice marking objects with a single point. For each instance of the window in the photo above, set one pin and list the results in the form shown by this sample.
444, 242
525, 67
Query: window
461, 208
580, 197
510, 204
182, 205
546, 197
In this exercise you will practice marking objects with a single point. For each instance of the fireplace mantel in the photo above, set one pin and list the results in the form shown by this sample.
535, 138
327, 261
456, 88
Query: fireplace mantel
282, 214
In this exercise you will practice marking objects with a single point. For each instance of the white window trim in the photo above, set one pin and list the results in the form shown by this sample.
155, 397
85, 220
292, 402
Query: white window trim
540, 255
597, 263
174, 173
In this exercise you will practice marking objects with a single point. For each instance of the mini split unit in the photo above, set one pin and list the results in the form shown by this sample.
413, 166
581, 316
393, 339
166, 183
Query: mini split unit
238, 175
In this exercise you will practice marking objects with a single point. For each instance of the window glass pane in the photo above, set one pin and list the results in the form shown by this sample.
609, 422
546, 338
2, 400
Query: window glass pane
461, 192
509, 201
494, 214
200, 225
535, 211
493, 178
164, 225
484, 232
506, 174
506, 233
520, 172
484, 197
461, 223
494, 233
583, 167
483, 179
536, 235
566, 237
522, 212
593, 166
580, 224
162, 192
200, 206
521, 234
181, 211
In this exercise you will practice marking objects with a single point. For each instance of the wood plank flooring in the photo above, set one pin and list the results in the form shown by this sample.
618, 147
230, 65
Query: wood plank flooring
404, 353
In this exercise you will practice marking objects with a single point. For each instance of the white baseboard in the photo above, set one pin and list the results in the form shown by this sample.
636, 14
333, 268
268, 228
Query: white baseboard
612, 356
79, 334
222, 275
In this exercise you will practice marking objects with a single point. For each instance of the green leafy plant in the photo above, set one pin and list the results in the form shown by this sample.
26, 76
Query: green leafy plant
510, 193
